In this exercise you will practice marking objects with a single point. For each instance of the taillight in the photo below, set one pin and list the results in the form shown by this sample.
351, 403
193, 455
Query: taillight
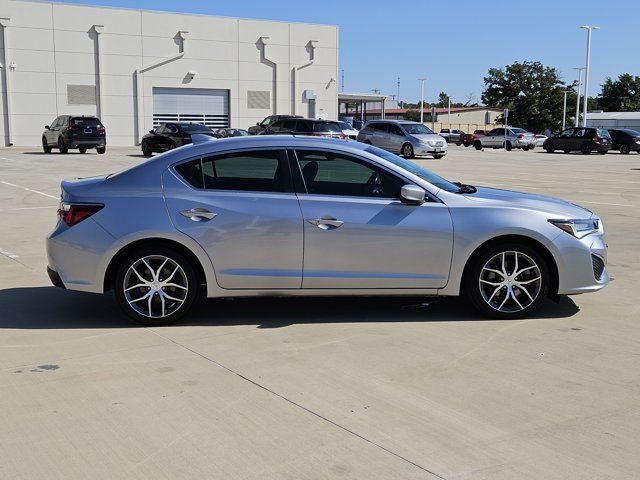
342, 136
72, 214
70, 126
101, 129
596, 139
521, 135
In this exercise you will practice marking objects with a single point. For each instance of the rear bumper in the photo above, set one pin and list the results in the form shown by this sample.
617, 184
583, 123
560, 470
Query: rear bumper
55, 278
75, 143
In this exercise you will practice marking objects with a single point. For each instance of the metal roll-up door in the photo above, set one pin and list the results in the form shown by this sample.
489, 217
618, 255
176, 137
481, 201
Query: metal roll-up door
197, 105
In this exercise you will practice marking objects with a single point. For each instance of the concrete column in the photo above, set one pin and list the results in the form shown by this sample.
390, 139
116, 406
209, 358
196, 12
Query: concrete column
7, 71
99, 29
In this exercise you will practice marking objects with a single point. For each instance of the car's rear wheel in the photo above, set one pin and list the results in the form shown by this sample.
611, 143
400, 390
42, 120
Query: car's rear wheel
467, 144
83, 149
624, 149
407, 151
549, 148
62, 147
101, 150
156, 285
477, 145
146, 149
507, 280
585, 149
45, 146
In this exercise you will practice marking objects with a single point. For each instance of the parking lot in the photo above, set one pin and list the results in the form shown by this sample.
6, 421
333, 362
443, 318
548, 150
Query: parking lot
315, 388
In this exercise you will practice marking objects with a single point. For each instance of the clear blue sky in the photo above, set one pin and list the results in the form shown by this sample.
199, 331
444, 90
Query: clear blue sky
452, 44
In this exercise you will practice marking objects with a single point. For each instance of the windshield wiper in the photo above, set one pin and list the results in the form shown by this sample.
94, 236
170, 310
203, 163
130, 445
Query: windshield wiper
465, 188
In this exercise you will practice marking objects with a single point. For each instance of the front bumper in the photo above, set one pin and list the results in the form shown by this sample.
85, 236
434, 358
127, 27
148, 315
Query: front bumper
425, 149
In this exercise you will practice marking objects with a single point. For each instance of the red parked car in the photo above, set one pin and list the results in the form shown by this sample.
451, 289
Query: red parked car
468, 138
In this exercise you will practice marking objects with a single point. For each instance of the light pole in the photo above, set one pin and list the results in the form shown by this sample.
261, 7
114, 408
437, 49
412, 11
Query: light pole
580, 69
422, 99
588, 28
564, 110
449, 113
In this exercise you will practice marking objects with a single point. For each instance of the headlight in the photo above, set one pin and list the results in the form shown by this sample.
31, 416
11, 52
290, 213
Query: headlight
578, 228
431, 143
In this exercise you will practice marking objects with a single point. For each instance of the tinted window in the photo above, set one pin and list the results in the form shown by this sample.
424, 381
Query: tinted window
395, 130
416, 129
267, 121
326, 127
84, 122
191, 172
496, 131
580, 132
260, 171
379, 127
288, 124
329, 173
566, 133
194, 128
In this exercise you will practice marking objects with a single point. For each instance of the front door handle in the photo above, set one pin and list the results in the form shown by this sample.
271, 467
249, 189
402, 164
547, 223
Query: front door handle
198, 214
326, 223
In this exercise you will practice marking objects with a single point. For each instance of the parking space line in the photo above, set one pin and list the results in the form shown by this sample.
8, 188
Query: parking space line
13, 257
26, 208
28, 189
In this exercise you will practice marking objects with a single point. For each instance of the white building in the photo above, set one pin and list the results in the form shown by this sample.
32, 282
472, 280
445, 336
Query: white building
630, 120
135, 68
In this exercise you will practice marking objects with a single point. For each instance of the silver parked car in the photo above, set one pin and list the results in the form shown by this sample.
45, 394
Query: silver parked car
509, 139
283, 215
403, 137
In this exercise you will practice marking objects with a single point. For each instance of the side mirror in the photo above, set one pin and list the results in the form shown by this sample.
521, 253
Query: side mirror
152, 131
412, 195
47, 127
258, 124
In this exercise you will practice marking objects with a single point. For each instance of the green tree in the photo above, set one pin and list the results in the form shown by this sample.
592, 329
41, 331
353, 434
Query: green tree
621, 95
531, 92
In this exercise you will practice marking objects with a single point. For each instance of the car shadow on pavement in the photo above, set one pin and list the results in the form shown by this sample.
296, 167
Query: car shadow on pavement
54, 308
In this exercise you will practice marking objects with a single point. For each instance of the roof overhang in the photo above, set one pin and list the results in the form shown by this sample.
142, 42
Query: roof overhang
344, 97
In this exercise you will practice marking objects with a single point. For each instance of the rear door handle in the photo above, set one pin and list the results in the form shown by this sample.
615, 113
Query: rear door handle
326, 223
198, 214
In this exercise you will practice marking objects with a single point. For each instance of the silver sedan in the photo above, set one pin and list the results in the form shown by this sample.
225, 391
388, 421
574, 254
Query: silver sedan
276, 215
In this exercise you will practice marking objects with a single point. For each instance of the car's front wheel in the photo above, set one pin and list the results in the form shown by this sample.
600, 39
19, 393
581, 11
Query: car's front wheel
407, 150
477, 145
45, 146
156, 285
507, 280
146, 149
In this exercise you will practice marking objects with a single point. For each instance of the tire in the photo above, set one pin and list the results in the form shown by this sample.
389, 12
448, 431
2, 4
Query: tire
566, 151
525, 149
507, 146
438, 156
549, 148
624, 149
61, 146
477, 145
101, 150
499, 296
458, 144
585, 149
83, 149
182, 285
602, 152
45, 146
466, 144
146, 150
407, 150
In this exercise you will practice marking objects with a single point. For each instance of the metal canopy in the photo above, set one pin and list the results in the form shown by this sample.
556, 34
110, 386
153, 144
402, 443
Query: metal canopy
361, 99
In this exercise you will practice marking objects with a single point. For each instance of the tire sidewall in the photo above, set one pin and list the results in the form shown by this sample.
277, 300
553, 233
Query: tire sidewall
471, 288
410, 149
130, 259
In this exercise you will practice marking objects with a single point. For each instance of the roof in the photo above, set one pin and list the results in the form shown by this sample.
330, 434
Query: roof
613, 115
439, 110
357, 97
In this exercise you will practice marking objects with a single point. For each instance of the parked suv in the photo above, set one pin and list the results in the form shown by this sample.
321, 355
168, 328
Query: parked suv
404, 137
260, 127
508, 139
305, 126
586, 140
625, 140
452, 136
79, 132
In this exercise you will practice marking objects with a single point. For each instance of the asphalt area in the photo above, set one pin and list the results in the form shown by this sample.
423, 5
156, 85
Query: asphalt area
321, 388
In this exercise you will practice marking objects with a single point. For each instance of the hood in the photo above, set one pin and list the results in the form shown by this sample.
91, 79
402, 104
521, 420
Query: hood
555, 206
428, 136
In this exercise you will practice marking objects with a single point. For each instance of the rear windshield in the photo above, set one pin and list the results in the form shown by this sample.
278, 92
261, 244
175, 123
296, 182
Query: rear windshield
603, 133
416, 128
85, 122
519, 130
326, 127
194, 127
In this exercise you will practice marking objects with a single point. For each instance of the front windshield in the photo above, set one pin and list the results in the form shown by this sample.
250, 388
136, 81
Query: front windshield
411, 167
195, 128
416, 129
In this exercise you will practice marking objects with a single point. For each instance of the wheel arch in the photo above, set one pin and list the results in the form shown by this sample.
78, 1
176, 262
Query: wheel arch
522, 239
112, 268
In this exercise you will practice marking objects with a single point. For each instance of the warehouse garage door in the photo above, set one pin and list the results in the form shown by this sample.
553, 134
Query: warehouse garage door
197, 105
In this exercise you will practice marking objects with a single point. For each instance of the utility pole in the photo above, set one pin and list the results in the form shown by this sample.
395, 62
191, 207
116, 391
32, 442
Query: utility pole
449, 113
342, 80
580, 69
588, 28
422, 99
398, 97
564, 110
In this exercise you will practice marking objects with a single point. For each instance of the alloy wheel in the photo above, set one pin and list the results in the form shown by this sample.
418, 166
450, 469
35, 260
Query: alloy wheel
155, 286
510, 282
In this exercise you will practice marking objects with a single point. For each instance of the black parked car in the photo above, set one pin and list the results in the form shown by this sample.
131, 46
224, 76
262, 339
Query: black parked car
167, 136
230, 132
79, 132
584, 139
306, 126
625, 140
260, 127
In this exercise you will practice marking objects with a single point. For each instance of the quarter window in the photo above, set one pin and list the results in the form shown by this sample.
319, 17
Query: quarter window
329, 173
